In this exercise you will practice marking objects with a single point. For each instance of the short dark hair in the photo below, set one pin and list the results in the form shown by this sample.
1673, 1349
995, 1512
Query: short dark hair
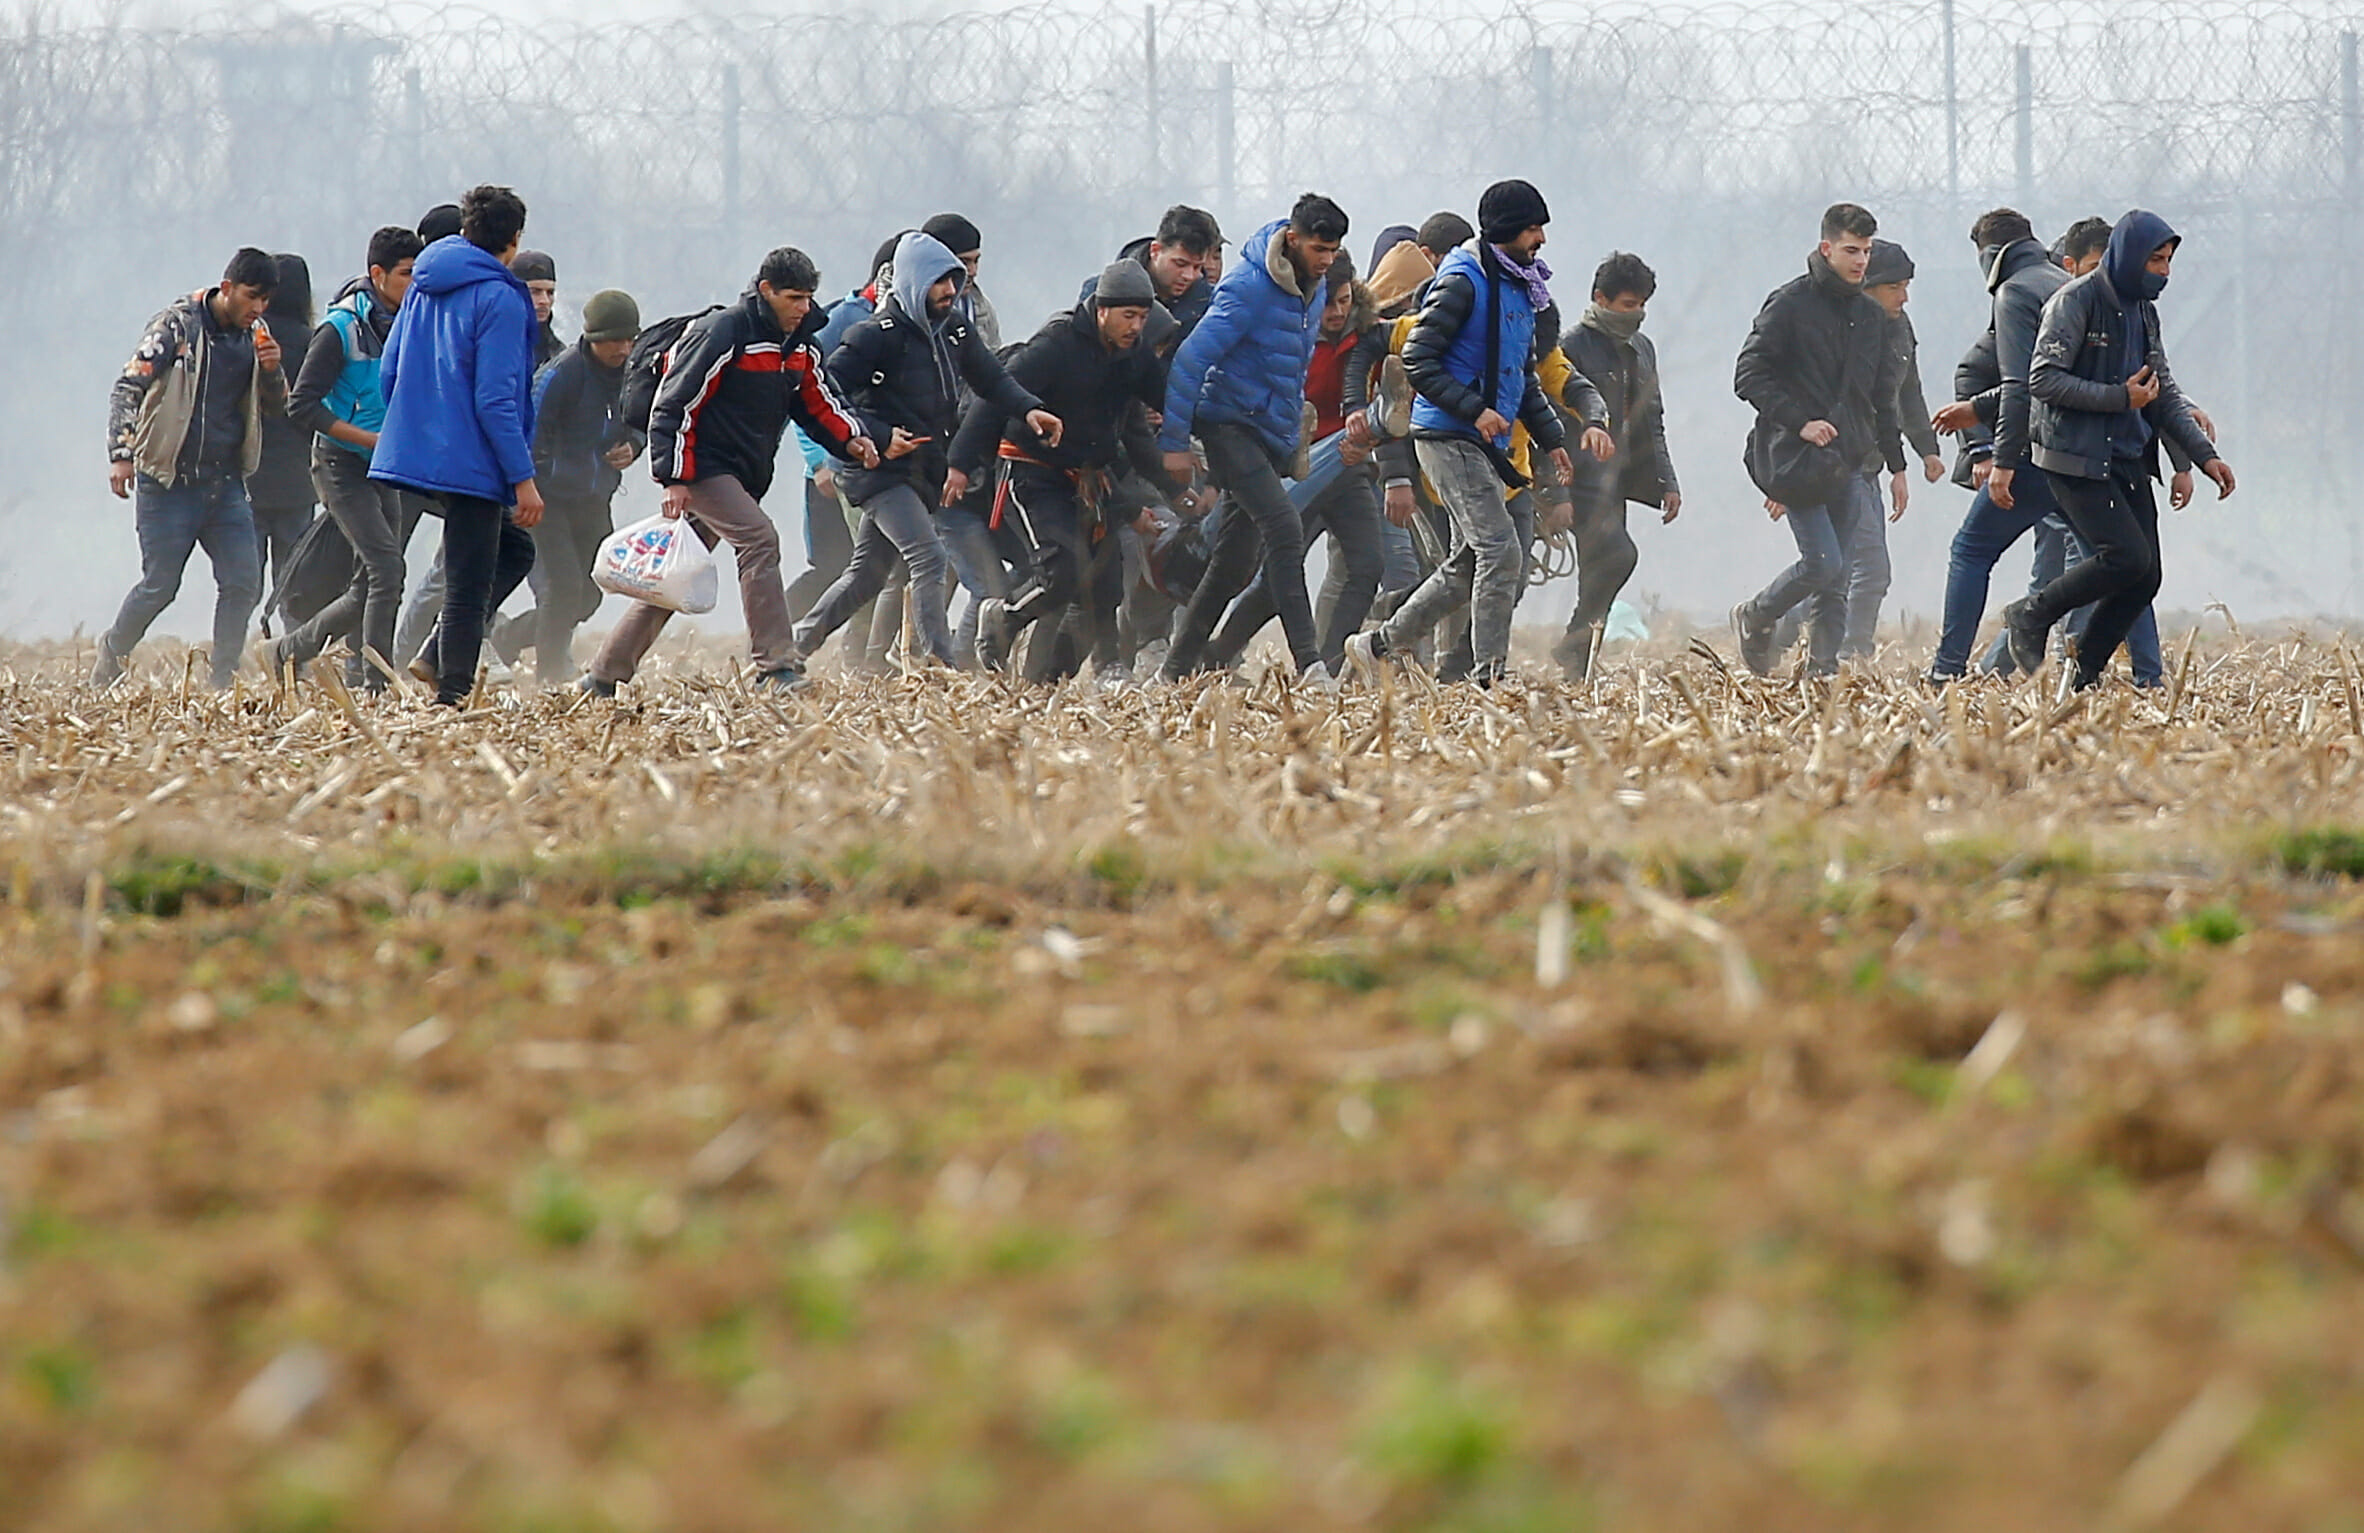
1848, 218
253, 268
2084, 237
1316, 217
393, 245
1189, 229
1444, 232
2001, 226
1342, 273
789, 270
1624, 272
491, 218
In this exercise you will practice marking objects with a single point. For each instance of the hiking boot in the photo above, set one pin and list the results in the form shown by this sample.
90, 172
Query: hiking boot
993, 633
2024, 637
108, 668
1756, 642
1394, 404
1308, 422
596, 686
787, 678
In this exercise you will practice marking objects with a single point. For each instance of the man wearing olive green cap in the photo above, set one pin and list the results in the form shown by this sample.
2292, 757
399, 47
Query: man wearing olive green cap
580, 453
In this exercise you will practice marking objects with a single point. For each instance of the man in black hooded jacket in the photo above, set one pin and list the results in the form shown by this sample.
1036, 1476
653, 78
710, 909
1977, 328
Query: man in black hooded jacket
2103, 397
902, 368
1820, 370
1089, 368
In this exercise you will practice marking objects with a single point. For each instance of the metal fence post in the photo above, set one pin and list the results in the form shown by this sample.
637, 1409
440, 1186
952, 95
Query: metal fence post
1226, 143
2023, 117
1149, 62
2351, 116
1953, 121
730, 165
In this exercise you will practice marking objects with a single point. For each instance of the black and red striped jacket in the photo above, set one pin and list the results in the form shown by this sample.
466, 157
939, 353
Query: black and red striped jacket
732, 383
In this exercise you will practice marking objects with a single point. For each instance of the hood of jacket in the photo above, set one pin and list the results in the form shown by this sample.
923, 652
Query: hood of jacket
1267, 247
2137, 234
2003, 262
921, 261
451, 264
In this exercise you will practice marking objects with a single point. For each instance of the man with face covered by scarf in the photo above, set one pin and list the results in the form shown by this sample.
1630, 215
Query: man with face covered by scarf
2102, 398
902, 369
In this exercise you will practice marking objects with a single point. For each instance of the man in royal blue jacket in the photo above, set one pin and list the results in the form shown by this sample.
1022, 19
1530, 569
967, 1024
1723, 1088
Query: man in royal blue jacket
1238, 384
458, 381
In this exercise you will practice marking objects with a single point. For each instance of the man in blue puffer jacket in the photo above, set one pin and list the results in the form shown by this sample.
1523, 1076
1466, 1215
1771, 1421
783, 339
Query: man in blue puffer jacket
1238, 384
1471, 357
458, 379
2102, 399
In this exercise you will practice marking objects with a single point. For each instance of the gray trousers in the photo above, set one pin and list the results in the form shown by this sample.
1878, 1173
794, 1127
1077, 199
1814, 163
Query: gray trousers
897, 528
376, 520
722, 512
1487, 564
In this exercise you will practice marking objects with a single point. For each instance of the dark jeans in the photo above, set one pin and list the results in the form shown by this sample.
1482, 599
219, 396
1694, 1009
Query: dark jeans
828, 549
1986, 531
277, 530
1240, 463
567, 541
1605, 560
376, 520
2056, 549
1819, 577
1074, 564
485, 557
1348, 510
2118, 518
173, 522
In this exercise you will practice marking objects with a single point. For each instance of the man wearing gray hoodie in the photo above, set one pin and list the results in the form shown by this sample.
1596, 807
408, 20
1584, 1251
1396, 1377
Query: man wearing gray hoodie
902, 369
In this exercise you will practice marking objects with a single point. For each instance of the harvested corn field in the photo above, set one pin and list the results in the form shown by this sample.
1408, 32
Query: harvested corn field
1687, 1102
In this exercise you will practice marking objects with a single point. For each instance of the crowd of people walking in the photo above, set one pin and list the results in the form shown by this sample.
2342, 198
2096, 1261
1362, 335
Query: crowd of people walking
1140, 481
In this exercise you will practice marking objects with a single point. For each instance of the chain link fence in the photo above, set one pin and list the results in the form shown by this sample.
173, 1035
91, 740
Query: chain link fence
664, 156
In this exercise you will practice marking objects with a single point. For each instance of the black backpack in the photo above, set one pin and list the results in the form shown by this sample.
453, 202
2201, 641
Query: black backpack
644, 369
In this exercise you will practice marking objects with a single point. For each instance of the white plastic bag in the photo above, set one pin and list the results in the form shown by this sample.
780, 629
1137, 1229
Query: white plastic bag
664, 563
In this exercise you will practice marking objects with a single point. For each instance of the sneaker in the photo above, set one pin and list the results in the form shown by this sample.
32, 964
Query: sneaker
1110, 679
2024, 636
1756, 644
788, 678
270, 657
1316, 677
1366, 654
597, 686
1394, 404
1308, 421
108, 668
993, 633
424, 674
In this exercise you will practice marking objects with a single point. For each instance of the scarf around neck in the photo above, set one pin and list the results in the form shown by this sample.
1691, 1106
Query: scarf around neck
1617, 324
1536, 276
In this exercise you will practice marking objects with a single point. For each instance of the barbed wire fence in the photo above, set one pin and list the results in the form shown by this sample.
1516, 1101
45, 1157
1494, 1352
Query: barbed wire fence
664, 156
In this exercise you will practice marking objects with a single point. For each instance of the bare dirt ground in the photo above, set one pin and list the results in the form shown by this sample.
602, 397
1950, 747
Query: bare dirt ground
1682, 1103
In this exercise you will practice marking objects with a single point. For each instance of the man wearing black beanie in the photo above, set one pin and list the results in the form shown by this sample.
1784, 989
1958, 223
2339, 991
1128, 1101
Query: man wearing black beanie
1471, 358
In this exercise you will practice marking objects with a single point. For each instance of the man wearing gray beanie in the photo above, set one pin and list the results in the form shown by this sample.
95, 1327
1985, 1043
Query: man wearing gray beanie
581, 450
1089, 367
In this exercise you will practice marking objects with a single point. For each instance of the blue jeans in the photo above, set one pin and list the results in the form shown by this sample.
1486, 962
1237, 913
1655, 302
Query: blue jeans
173, 521
1820, 576
1986, 531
